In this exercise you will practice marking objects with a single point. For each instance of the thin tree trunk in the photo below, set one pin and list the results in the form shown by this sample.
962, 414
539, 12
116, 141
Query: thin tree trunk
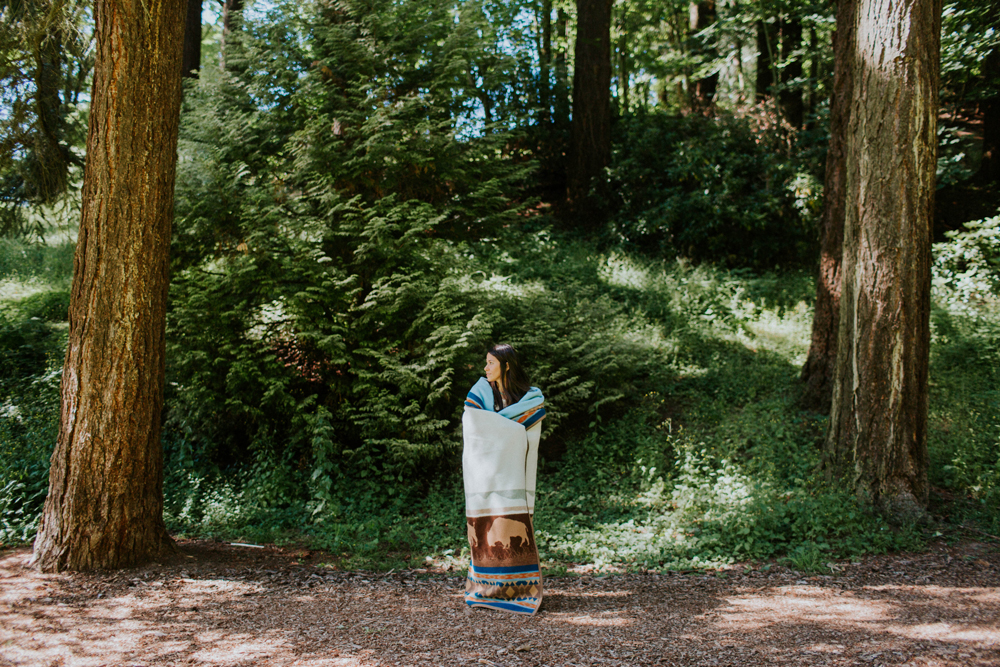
192, 40
105, 500
590, 148
562, 72
623, 73
817, 373
483, 97
767, 41
791, 94
989, 168
545, 61
812, 101
701, 15
230, 23
878, 420
51, 165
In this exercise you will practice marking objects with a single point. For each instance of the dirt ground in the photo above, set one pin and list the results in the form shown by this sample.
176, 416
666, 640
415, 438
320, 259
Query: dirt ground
226, 605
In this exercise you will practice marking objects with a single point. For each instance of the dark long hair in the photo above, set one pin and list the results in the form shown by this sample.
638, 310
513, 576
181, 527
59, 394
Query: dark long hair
512, 376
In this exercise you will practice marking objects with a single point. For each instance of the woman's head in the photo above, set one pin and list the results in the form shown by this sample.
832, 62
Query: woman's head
504, 371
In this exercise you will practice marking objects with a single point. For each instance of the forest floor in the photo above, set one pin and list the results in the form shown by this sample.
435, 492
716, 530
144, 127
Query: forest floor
226, 605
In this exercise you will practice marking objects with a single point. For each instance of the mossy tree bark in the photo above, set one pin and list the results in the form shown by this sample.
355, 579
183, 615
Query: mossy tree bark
105, 500
590, 149
817, 373
878, 420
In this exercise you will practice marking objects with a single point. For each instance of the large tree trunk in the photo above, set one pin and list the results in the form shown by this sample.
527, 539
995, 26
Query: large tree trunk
590, 148
817, 373
700, 16
791, 94
191, 62
878, 421
989, 168
105, 500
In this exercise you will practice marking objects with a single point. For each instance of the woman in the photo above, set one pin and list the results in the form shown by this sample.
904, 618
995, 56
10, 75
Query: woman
501, 427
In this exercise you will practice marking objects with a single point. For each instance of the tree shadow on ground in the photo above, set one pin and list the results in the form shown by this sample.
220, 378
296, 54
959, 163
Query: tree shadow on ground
227, 607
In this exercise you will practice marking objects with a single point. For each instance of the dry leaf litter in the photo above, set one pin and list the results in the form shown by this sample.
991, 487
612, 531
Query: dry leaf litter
223, 605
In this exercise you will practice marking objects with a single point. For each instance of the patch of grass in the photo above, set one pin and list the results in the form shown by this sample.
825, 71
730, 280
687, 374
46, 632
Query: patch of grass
34, 301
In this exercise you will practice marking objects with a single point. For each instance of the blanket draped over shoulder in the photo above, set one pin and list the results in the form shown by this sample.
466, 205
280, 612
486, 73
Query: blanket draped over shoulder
499, 461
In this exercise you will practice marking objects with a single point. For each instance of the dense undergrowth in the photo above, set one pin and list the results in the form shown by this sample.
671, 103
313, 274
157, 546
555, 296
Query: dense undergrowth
347, 245
704, 457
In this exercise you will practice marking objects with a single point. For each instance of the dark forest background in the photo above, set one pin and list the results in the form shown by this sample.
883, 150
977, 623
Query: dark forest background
369, 193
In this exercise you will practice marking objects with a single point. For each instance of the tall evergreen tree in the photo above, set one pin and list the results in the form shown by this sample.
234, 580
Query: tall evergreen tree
702, 15
989, 169
192, 40
767, 43
105, 499
545, 60
817, 373
790, 96
46, 64
561, 102
590, 149
878, 421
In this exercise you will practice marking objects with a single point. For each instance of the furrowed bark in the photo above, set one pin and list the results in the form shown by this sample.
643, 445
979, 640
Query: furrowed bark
817, 373
878, 421
105, 500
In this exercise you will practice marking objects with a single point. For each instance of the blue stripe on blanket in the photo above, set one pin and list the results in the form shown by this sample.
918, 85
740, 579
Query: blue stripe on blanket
528, 411
526, 608
515, 588
516, 569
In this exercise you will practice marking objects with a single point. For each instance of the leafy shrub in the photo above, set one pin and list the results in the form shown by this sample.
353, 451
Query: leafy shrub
29, 424
964, 438
33, 312
720, 189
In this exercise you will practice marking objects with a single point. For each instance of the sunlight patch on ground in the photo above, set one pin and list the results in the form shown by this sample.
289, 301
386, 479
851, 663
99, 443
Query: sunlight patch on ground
811, 604
620, 271
786, 334
603, 621
15, 289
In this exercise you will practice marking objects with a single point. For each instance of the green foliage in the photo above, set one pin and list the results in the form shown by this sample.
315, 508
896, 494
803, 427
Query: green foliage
723, 189
34, 300
964, 438
968, 35
623, 486
745, 487
47, 64
31, 348
352, 231
29, 423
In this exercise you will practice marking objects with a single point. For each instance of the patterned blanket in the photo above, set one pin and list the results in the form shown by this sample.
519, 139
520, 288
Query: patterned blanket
499, 462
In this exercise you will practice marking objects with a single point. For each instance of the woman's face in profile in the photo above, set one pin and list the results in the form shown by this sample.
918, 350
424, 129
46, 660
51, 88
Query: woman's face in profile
492, 368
